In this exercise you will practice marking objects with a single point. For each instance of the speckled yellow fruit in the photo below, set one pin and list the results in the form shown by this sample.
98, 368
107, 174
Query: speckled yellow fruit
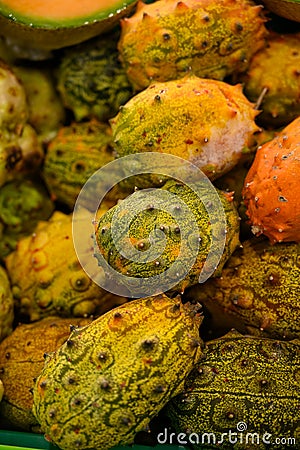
22, 359
47, 278
168, 38
259, 289
178, 247
109, 379
207, 122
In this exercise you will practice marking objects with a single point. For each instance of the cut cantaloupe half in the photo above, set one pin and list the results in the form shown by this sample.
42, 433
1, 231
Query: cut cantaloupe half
59, 23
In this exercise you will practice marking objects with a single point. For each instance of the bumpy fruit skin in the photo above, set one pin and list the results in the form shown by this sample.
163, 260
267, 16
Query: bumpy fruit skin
124, 368
20, 152
47, 278
20, 155
77, 151
271, 185
259, 289
21, 361
241, 381
208, 122
13, 106
6, 305
165, 40
92, 81
22, 204
46, 113
281, 100
149, 220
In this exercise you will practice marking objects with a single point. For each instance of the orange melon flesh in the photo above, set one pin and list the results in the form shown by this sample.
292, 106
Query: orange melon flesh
57, 9
53, 24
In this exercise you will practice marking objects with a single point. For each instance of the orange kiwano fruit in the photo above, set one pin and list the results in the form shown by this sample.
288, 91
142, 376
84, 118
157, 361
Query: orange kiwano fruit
271, 187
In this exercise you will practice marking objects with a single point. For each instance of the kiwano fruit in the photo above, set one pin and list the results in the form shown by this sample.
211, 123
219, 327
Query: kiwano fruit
258, 289
14, 108
46, 113
23, 203
244, 394
271, 185
22, 359
168, 38
207, 122
110, 378
20, 155
188, 240
76, 152
280, 88
91, 80
47, 278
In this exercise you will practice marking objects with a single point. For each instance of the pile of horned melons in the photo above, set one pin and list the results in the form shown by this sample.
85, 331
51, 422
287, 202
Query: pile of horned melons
216, 84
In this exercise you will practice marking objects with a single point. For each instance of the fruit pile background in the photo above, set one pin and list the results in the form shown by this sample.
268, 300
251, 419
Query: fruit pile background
68, 113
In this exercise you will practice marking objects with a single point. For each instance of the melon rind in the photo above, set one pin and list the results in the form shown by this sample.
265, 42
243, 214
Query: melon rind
47, 34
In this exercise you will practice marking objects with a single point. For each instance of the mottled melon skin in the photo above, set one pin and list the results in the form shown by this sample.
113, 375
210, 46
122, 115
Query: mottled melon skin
258, 289
165, 40
91, 79
108, 380
208, 122
241, 379
281, 101
149, 220
47, 278
22, 359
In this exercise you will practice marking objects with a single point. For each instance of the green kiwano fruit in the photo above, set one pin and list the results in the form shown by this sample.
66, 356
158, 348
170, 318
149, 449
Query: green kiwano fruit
110, 378
171, 242
165, 40
74, 155
92, 81
23, 203
246, 385
258, 289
